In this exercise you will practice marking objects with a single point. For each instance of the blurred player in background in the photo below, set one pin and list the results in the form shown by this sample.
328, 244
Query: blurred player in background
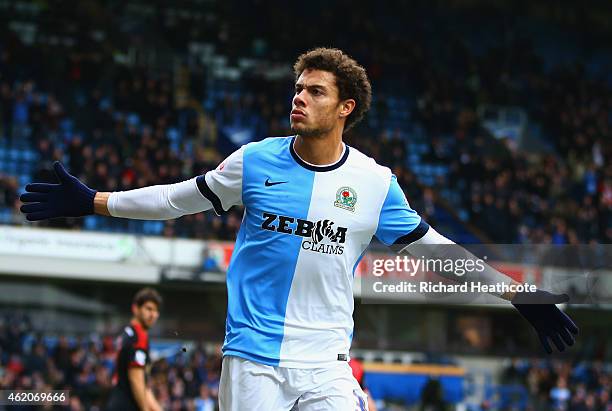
312, 206
130, 390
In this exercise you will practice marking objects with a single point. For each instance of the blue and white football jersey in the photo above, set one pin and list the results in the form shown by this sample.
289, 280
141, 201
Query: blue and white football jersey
304, 230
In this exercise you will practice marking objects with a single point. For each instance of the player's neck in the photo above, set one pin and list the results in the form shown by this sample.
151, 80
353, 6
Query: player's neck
137, 322
319, 151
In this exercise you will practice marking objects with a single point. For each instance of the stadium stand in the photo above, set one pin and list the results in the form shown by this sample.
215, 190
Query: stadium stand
142, 93
111, 125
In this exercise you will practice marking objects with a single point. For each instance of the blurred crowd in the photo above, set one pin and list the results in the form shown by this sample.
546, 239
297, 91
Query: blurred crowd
562, 385
513, 195
190, 381
121, 126
84, 366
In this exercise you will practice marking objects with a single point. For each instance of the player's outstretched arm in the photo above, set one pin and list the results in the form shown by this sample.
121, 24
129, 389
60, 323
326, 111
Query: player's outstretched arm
401, 228
72, 198
537, 307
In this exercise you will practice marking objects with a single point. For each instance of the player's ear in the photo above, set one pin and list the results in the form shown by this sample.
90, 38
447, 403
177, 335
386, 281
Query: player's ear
134, 309
347, 107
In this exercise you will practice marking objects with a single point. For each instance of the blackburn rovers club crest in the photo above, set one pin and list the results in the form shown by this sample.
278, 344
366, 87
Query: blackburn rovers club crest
346, 198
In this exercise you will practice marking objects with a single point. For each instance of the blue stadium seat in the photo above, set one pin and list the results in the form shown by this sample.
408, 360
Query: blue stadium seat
133, 119
67, 126
28, 155
5, 215
24, 179
90, 222
157, 227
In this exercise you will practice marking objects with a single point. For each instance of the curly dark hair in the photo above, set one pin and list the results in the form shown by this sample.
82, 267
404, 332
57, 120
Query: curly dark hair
351, 79
145, 295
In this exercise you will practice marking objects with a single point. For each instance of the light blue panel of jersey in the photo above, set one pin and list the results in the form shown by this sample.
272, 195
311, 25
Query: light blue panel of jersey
263, 263
397, 219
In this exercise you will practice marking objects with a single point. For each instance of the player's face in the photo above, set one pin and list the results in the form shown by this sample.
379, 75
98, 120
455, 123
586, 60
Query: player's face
316, 105
147, 314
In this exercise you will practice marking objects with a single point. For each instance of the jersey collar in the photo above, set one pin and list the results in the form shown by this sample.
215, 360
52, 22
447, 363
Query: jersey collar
137, 326
314, 167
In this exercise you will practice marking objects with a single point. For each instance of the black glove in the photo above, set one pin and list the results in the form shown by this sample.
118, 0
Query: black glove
549, 322
69, 198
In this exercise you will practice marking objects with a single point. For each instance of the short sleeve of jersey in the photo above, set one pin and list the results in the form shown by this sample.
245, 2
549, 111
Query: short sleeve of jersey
223, 185
398, 224
137, 357
135, 353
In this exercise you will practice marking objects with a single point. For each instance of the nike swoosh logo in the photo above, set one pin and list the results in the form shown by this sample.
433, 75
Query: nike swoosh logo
268, 183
